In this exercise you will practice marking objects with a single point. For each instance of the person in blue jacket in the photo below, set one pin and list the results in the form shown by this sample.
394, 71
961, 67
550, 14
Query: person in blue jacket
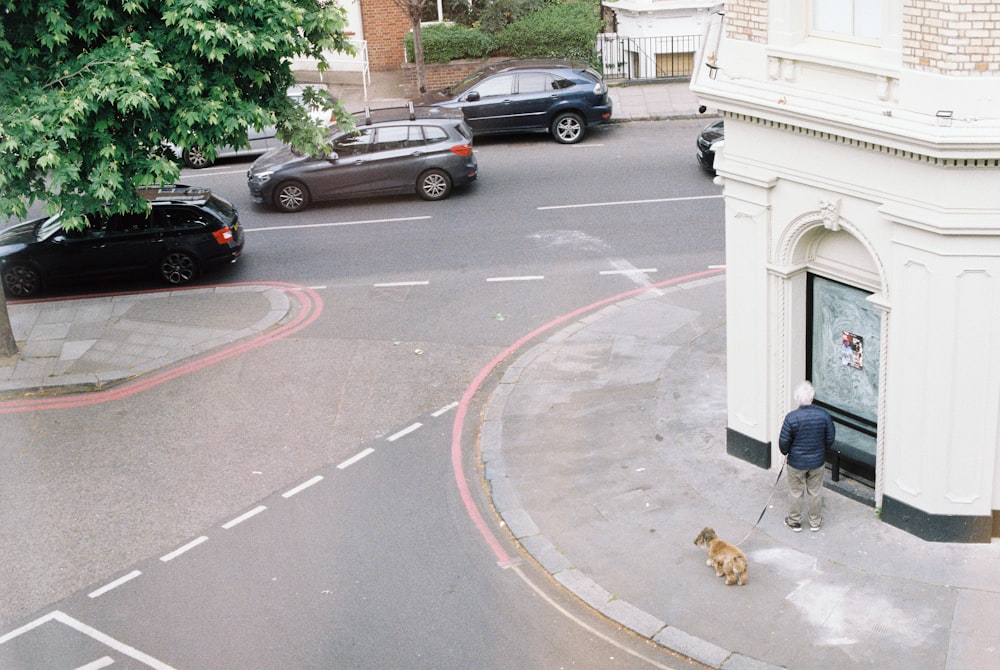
806, 433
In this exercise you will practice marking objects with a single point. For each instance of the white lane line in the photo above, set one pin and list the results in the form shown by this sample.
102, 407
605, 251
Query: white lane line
113, 585
355, 458
334, 224
395, 284
302, 487
109, 641
629, 272
243, 517
632, 202
187, 547
98, 664
521, 278
405, 431
443, 410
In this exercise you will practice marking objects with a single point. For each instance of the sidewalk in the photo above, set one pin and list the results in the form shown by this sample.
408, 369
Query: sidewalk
604, 449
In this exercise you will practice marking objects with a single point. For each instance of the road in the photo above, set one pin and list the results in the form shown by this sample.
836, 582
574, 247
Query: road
376, 563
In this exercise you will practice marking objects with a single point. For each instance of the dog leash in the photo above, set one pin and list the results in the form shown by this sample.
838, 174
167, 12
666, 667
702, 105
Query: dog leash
766, 503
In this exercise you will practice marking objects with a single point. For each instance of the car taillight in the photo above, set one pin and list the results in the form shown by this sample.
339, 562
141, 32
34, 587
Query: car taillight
462, 149
223, 235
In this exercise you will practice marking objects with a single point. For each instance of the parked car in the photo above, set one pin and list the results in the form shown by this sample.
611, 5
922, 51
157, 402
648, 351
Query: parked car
707, 139
186, 231
561, 97
261, 141
427, 150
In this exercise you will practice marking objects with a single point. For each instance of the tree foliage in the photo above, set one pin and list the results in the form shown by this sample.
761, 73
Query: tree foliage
91, 92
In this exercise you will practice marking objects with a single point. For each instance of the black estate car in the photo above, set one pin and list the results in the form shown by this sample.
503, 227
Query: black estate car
186, 231
709, 136
561, 97
426, 150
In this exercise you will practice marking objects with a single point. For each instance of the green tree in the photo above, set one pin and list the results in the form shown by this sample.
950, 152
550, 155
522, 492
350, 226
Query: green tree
92, 92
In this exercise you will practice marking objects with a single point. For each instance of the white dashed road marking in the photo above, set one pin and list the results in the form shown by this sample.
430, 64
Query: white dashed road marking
302, 487
187, 547
113, 585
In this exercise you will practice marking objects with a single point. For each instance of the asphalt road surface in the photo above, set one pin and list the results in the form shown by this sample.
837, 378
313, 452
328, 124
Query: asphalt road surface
297, 506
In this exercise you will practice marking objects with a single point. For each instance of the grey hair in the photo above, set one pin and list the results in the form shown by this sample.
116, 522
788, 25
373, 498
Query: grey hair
804, 393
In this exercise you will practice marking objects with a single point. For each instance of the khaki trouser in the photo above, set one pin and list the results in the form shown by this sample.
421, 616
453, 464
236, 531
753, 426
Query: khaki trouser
807, 485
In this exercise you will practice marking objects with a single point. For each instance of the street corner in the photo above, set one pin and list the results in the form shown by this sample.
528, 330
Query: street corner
99, 348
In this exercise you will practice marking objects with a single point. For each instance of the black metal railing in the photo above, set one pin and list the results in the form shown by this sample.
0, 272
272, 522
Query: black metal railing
631, 58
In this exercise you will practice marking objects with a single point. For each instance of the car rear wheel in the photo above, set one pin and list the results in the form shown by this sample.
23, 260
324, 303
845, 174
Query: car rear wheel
434, 185
178, 267
194, 158
21, 281
292, 196
568, 128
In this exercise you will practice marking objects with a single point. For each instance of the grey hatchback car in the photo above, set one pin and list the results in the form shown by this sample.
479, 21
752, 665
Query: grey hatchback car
558, 96
423, 150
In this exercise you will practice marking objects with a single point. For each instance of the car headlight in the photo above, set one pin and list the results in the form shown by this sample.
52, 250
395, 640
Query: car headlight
259, 178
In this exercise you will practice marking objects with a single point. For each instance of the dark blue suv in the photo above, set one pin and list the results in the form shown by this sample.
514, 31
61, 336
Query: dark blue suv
558, 96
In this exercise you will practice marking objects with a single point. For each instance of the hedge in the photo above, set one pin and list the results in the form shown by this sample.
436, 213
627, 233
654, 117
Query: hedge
563, 30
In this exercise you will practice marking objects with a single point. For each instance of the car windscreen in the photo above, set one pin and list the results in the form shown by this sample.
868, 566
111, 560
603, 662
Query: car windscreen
467, 83
48, 227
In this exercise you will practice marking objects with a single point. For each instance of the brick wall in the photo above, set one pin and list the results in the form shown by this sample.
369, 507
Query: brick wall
952, 38
440, 75
747, 20
385, 27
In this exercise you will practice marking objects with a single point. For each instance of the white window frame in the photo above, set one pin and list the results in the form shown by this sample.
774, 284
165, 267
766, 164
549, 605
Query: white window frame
853, 8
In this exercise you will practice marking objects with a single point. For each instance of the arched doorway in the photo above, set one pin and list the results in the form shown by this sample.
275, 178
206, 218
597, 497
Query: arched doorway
840, 331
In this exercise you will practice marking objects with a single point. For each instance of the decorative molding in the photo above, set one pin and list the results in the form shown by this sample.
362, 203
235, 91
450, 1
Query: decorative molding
874, 147
830, 211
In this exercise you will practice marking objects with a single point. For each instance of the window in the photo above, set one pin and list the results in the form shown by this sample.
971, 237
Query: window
496, 86
433, 134
180, 218
853, 19
391, 138
127, 223
535, 82
353, 144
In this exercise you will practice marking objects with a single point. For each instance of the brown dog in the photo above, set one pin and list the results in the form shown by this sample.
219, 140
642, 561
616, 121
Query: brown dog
726, 558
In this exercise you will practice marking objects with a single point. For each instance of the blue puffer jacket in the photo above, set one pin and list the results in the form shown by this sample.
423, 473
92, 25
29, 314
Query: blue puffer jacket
806, 434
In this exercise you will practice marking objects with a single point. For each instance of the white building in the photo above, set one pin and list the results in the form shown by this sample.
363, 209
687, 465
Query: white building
861, 168
654, 38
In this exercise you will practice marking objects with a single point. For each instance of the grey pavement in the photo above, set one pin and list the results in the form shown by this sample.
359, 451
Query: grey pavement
604, 451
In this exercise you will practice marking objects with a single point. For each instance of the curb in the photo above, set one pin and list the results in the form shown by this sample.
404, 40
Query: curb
527, 534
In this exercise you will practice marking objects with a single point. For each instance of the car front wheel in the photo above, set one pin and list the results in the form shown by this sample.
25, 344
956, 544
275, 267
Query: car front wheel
178, 267
292, 196
434, 185
568, 128
21, 281
194, 158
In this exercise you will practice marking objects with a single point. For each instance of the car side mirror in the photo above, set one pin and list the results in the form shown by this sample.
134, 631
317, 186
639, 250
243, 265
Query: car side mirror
472, 97
333, 157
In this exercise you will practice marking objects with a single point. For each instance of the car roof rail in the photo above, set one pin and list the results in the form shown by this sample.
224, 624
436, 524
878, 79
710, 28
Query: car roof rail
175, 192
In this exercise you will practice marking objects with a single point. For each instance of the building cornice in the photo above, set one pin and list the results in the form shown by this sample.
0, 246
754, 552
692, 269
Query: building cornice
942, 139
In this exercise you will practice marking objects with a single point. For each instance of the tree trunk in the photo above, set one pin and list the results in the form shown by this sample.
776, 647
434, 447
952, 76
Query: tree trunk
8, 346
418, 55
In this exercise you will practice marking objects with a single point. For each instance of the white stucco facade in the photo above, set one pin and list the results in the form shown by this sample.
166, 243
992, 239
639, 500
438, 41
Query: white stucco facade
875, 164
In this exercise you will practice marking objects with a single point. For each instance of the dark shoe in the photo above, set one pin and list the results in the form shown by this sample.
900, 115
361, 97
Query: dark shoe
794, 525
816, 527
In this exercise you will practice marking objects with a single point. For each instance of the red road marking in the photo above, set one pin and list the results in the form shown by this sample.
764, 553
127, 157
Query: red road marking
311, 306
463, 405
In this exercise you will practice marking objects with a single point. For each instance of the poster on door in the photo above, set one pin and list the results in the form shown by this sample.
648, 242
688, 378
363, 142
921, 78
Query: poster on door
852, 350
